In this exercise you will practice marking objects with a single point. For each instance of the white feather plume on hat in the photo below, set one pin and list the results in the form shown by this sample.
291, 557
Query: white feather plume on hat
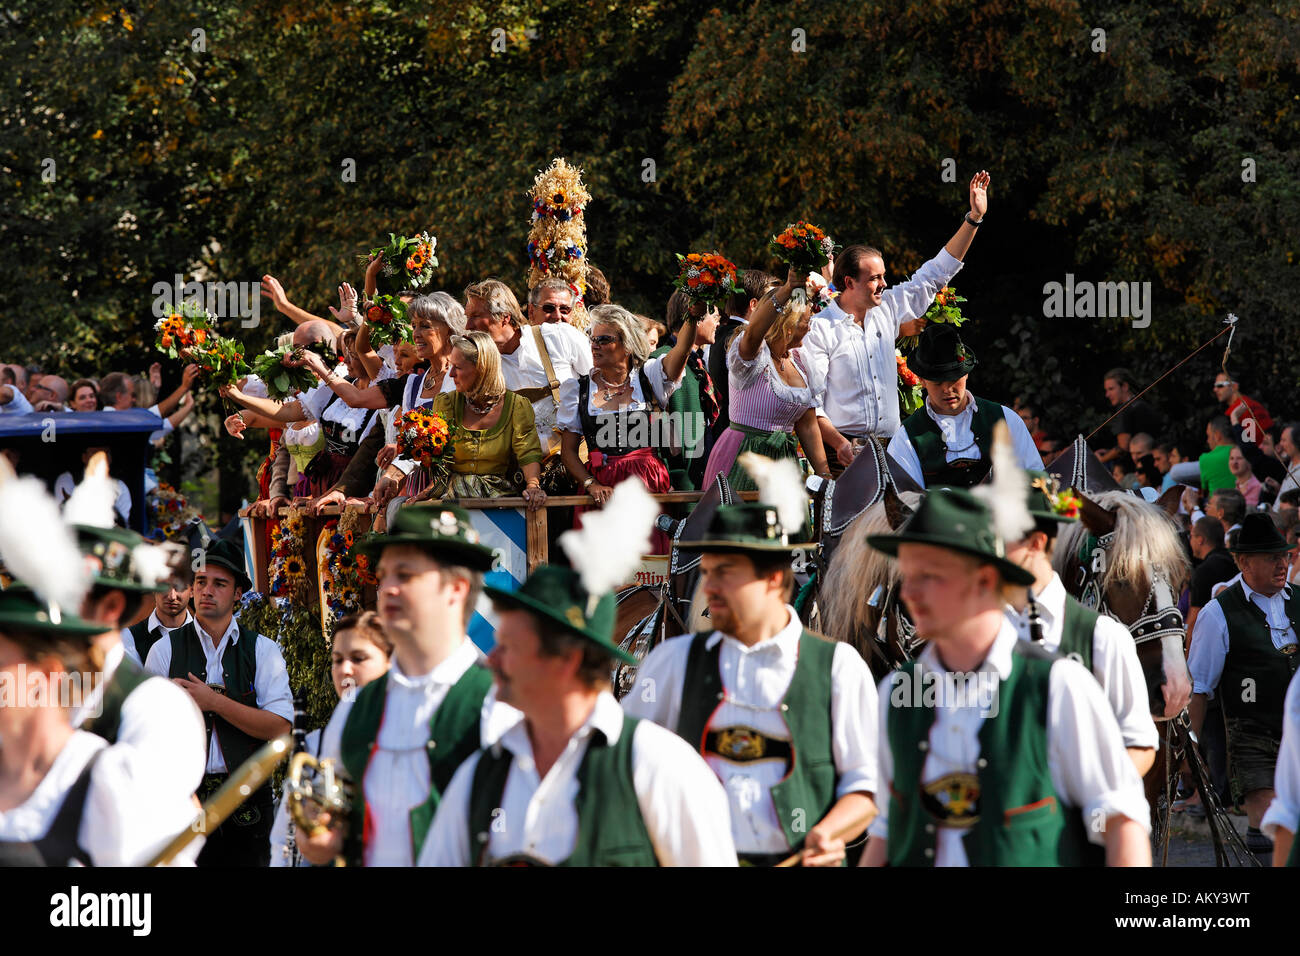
37, 547
1006, 495
607, 549
780, 486
91, 502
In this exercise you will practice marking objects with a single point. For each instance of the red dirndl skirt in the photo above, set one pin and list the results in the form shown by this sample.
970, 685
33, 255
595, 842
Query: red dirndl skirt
642, 464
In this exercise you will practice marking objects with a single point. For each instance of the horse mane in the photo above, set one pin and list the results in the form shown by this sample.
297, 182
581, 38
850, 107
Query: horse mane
855, 570
1145, 538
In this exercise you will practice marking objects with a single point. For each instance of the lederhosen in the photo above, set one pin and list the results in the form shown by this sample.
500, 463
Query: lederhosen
1009, 806
807, 792
931, 452
453, 736
61, 844
126, 678
611, 830
244, 838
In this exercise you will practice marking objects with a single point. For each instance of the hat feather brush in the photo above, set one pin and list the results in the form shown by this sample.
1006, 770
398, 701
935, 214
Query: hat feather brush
780, 486
1006, 493
607, 549
37, 547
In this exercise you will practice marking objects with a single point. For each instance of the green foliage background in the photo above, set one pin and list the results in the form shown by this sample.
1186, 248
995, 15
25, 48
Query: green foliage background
226, 162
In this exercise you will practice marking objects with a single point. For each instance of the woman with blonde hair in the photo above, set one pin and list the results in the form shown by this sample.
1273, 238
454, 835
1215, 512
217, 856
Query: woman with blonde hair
773, 397
494, 440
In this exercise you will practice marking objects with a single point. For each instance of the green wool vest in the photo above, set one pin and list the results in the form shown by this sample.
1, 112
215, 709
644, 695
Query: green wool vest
1022, 821
927, 442
807, 793
611, 831
453, 736
1253, 662
144, 641
1077, 631
238, 670
128, 676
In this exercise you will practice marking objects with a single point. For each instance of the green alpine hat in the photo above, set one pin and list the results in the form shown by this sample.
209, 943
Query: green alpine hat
557, 595
112, 555
443, 530
1259, 535
1047, 501
954, 519
226, 554
22, 610
940, 355
745, 527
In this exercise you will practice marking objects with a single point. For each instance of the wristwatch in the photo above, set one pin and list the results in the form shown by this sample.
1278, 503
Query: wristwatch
588, 483
973, 222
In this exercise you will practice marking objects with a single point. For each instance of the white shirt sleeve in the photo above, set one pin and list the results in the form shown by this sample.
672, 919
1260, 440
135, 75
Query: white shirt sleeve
1089, 766
63, 487
663, 388
128, 819
314, 400
159, 661
1023, 442
879, 829
1284, 811
682, 801
1209, 648
816, 357
1116, 662
577, 348
854, 711
448, 841
901, 450
164, 729
272, 680
909, 299
657, 693
122, 505
741, 372
566, 416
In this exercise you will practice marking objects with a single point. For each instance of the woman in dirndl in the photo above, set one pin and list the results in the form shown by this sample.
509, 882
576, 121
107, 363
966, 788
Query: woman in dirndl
618, 409
773, 397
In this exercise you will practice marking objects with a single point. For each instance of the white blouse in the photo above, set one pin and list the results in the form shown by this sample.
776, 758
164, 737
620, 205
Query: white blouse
568, 419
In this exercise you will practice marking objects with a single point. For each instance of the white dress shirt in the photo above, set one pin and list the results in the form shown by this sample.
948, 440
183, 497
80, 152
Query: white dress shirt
1285, 808
570, 353
397, 776
856, 361
1114, 662
755, 680
153, 624
161, 732
126, 819
1210, 638
681, 802
270, 683
959, 436
1090, 769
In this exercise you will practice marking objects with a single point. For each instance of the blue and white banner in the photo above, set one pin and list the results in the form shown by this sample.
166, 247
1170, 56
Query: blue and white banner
505, 530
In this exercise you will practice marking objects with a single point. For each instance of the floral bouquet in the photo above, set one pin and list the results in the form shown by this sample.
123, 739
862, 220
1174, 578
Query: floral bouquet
707, 278
820, 297
944, 308
187, 327
911, 393
408, 261
170, 514
802, 246
283, 380
221, 361
288, 568
424, 437
389, 324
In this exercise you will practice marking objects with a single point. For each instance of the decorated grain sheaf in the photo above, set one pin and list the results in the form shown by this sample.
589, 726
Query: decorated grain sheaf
557, 236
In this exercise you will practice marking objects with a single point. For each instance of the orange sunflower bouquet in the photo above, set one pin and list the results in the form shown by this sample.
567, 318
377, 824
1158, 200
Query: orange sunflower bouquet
408, 261
388, 322
426, 438
706, 277
187, 327
802, 246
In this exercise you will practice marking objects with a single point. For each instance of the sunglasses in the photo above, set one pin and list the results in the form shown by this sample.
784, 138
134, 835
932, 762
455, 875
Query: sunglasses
552, 307
1223, 384
604, 339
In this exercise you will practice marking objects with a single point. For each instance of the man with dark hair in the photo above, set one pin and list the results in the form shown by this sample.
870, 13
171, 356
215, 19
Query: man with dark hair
694, 405
754, 285
784, 717
1244, 653
1028, 413
571, 780
238, 679
1210, 471
171, 610
1207, 538
1120, 388
402, 736
1229, 506
1289, 452
850, 344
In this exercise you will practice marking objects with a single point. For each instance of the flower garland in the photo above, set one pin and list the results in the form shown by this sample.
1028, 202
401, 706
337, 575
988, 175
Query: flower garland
408, 261
388, 321
707, 278
288, 568
344, 575
557, 235
170, 515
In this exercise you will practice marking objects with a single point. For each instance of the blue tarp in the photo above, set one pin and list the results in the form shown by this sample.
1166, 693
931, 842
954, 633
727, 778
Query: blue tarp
51, 443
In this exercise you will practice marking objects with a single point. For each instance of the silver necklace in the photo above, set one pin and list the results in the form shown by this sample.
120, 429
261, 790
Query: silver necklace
612, 389
482, 409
